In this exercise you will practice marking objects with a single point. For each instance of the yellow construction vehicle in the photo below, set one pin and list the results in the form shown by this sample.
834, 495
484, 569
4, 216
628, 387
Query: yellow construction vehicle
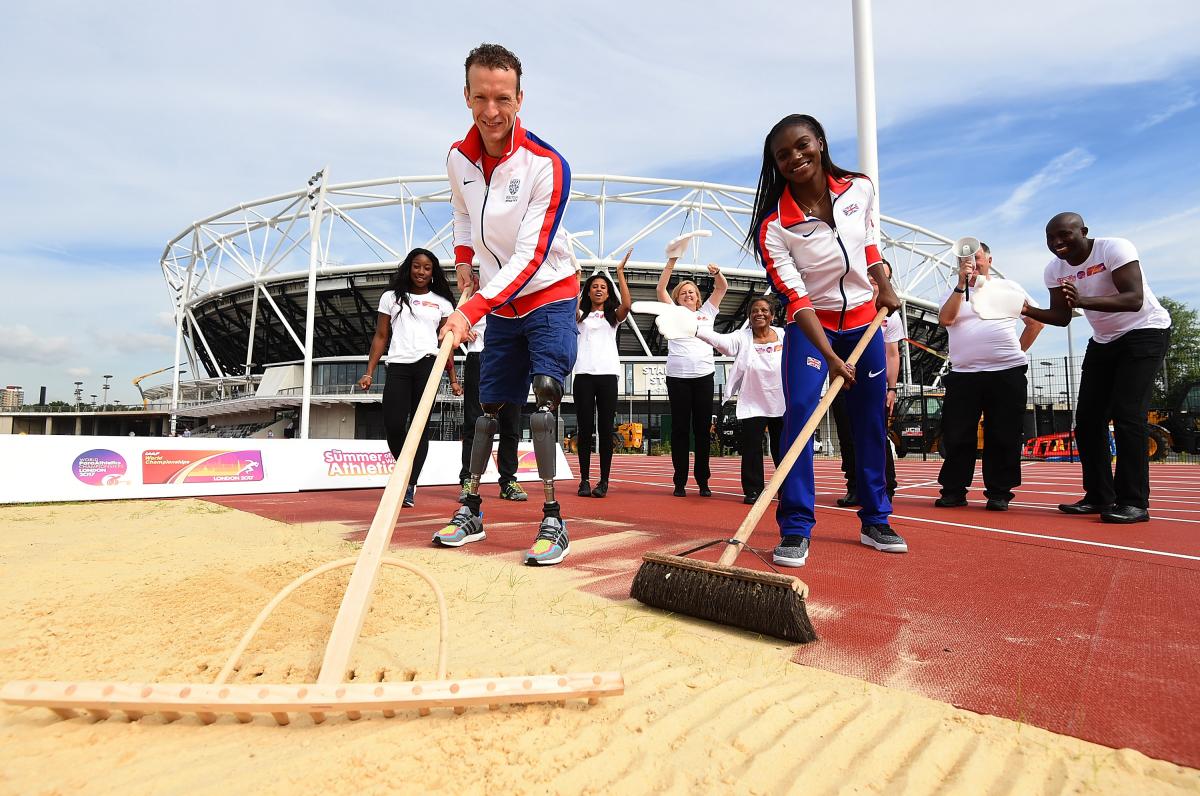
138, 381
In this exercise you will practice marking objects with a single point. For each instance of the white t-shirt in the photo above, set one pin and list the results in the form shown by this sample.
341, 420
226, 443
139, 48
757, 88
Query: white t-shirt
757, 373
414, 328
893, 328
689, 357
1093, 277
597, 346
977, 345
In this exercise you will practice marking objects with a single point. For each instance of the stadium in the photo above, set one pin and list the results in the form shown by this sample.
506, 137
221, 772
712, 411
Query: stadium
266, 288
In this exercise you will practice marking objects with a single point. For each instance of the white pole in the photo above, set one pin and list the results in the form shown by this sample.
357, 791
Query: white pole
316, 213
179, 309
864, 90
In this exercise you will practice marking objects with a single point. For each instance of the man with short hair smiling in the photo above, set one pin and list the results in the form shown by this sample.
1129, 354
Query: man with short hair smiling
1130, 335
987, 376
509, 190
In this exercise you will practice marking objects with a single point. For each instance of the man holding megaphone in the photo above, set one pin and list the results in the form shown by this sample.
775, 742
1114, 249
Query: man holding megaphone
987, 378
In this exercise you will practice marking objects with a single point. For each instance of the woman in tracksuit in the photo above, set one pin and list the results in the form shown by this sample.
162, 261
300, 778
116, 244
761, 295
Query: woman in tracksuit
814, 231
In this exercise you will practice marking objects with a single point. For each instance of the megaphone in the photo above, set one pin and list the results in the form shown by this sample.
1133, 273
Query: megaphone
966, 247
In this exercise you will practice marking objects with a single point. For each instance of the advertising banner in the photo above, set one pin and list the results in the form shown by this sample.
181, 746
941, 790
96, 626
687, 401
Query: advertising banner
36, 469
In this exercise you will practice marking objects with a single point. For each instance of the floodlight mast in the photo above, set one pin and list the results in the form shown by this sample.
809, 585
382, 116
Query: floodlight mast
864, 91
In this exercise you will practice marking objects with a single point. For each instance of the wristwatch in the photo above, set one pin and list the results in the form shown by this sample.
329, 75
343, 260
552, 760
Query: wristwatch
960, 290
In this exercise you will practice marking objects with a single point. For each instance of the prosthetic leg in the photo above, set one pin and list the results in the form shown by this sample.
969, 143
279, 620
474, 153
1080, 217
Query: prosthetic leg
551, 545
547, 393
486, 427
467, 523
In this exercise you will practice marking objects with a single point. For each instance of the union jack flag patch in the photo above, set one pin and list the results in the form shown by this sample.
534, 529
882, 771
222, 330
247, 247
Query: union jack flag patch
813, 362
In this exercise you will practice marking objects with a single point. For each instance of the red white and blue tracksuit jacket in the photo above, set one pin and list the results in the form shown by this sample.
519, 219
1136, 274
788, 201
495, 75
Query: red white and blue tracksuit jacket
511, 224
813, 265
816, 267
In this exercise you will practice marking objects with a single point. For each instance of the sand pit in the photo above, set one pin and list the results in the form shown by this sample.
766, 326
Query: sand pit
163, 590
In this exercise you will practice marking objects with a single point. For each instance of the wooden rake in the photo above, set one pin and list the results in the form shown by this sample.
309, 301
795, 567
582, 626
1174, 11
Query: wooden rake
330, 693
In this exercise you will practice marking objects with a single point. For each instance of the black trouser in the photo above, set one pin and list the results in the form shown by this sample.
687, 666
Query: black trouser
509, 419
750, 439
595, 393
1000, 395
401, 394
691, 414
845, 435
1115, 385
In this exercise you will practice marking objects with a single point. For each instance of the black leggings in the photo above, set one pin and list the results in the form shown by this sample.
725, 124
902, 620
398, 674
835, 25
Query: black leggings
691, 415
750, 443
401, 394
594, 393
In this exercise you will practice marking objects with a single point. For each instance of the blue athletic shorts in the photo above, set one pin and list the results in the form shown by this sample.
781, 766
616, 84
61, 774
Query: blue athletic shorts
542, 343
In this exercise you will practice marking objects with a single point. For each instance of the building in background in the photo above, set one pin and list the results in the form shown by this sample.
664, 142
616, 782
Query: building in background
12, 397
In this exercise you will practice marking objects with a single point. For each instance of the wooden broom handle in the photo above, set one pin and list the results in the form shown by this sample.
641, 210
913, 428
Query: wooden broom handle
357, 599
764, 499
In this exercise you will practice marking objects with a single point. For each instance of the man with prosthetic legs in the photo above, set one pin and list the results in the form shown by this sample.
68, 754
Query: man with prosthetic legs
509, 190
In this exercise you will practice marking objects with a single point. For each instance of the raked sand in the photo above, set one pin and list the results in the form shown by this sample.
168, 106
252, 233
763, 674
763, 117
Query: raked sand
163, 590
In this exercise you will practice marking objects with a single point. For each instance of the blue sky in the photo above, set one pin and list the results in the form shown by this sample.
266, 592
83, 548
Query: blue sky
127, 121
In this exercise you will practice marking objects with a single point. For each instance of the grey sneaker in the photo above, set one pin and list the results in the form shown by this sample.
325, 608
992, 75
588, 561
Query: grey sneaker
551, 545
883, 538
464, 527
791, 552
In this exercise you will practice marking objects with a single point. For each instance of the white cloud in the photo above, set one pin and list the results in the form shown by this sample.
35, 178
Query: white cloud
79, 373
138, 342
1184, 103
1054, 172
19, 343
134, 119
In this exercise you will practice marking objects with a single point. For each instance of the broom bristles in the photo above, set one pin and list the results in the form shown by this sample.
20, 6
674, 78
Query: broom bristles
761, 602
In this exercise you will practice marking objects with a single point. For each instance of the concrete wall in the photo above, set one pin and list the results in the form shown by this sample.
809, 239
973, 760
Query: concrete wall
332, 422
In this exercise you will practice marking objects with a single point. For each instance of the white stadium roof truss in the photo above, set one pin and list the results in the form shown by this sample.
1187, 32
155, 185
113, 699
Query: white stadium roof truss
368, 226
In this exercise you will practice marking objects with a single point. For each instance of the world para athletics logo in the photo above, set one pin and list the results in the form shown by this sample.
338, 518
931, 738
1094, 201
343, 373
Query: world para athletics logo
99, 467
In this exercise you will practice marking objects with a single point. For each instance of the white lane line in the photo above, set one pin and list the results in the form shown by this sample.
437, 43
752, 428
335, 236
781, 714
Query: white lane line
916, 486
1147, 551
1047, 537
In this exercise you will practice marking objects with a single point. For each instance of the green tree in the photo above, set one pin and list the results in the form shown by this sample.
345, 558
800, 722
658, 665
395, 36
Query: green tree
1182, 366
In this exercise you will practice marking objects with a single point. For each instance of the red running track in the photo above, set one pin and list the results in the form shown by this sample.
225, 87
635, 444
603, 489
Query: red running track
1061, 622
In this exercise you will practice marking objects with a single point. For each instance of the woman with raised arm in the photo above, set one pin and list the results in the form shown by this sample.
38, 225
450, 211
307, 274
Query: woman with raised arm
813, 228
597, 369
690, 377
411, 312
756, 378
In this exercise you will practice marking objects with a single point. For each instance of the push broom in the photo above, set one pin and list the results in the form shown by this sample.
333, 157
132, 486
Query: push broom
330, 693
762, 602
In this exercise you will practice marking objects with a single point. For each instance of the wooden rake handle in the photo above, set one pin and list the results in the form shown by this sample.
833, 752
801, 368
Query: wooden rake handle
764, 499
357, 599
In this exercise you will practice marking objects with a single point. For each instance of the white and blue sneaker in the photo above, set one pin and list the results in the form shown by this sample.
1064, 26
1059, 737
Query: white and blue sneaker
551, 545
791, 552
410, 496
464, 527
